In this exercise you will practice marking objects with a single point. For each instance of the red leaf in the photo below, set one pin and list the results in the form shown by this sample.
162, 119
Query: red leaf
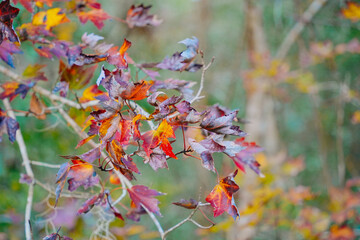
246, 156
153, 138
221, 197
142, 195
7, 14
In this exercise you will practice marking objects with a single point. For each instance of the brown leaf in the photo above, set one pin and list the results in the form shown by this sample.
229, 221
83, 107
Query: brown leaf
37, 107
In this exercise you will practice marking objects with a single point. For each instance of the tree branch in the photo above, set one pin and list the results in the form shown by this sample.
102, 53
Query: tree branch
202, 80
290, 38
188, 219
28, 169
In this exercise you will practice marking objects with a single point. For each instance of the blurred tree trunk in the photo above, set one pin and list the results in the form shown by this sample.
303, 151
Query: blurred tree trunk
260, 112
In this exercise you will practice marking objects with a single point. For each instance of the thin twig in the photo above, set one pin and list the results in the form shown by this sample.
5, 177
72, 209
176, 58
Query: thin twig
202, 80
290, 38
28, 169
188, 219
42, 164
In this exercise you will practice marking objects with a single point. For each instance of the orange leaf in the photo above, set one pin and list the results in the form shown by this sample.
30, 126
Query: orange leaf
137, 91
80, 170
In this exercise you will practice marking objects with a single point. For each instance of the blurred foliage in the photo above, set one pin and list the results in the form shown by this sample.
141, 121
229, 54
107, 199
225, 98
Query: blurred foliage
296, 203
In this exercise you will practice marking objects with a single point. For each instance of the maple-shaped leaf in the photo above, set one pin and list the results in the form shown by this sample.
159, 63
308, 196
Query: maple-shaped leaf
206, 148
138, 16
12, 89
136, 91
7, 49
221, 197
96, 16
117, 57
153, 138
79, 173
246, 156
221, 125
50, 18
33, 73
352, 11
143, 196
189, 204
8, 125
7, 14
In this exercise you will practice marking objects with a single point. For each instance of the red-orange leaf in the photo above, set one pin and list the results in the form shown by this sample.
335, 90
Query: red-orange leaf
136, 91
96, 16
221, 197
80, 170
117, 57
153, 138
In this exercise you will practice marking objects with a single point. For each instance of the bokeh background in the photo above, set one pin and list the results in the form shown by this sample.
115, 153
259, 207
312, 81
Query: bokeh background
303, 108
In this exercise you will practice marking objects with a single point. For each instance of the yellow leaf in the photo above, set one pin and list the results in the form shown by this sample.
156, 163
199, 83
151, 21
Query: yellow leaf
352, 11
50, 18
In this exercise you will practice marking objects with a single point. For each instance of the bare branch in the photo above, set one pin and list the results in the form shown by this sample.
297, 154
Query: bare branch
290, 38
202, 80
28, 169
188, 219
42, 164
